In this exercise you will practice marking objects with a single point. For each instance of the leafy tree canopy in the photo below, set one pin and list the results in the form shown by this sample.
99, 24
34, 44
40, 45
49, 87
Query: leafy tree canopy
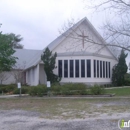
15, 39
6, 51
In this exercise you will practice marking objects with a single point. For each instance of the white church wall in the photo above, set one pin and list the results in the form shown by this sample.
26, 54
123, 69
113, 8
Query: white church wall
42, 75
9, 78
73, 43
72, 47
88, 80
32, 76
36, 75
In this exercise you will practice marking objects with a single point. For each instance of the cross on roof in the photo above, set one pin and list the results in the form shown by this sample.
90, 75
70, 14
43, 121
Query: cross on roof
83, 38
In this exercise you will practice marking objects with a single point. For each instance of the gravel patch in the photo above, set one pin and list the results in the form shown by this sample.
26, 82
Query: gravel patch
27, 120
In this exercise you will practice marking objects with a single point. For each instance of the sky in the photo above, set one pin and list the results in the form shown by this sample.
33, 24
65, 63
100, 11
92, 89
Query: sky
39, 21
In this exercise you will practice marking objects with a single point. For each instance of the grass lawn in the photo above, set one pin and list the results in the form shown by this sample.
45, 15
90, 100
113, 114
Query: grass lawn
68, 108
119, 91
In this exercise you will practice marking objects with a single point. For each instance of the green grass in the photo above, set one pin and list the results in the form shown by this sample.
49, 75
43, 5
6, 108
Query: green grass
119, 91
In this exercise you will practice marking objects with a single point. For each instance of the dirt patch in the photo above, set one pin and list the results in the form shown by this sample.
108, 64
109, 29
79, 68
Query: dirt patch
65, 113
19, 120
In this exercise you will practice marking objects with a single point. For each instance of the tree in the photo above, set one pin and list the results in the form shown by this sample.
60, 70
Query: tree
15, 39
4, 76
19, 73
117, 28
6, 51
49, 65
119, 70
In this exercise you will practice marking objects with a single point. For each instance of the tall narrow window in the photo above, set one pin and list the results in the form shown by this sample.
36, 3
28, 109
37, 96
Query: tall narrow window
94, 68
100, 69
65, 68
106, 71
82, 68
71, 68
60, 68
88, 68
109, 70
103, 69
76, 68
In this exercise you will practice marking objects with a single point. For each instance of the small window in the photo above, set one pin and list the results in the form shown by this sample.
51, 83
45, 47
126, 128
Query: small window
103, 69
88, 68
65, 68
94, 68
82, 68
76, 68
109, 70
106, 71
100, 69
60, 68
71, 68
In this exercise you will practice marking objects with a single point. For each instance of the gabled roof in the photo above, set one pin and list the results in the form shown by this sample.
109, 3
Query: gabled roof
33, 57
59, 39
27, 58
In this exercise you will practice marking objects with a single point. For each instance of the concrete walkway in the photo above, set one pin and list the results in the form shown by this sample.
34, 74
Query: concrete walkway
12, 96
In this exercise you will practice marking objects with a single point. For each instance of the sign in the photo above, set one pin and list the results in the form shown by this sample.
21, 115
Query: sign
123, 124
19, 85
48, 84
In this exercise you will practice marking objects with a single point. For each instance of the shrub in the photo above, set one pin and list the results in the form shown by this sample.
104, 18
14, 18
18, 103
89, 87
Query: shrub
74, 86
39, 90
56, 88
127, 82
83, 92
97, 90
33, 91
7, 88
73, 89
24, 90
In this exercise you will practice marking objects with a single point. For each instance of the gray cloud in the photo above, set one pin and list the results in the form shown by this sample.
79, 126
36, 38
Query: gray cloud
37, 21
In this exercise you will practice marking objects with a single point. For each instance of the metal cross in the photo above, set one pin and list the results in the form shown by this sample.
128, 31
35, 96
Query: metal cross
83, 38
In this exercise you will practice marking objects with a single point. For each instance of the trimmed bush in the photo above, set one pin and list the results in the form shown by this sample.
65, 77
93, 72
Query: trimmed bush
127, 82
97, 90
7, 88
39, 90
68, 89
56, 88
83, 92
75, 86
73, 89
24, 90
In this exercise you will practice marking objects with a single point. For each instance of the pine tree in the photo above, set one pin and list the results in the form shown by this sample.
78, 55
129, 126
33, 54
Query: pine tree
119, 70
49, 65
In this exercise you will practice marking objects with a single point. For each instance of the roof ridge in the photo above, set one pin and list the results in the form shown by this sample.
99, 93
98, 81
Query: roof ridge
68, 31
60, 38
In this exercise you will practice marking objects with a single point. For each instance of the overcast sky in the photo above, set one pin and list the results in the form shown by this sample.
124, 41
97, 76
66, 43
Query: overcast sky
38, 21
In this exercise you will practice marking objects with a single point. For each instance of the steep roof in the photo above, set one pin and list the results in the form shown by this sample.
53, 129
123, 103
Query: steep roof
59, 39
27, 58
33, 57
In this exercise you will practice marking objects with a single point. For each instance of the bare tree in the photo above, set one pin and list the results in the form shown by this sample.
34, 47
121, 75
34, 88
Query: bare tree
116, 31
18, 72
4, 76
82, 38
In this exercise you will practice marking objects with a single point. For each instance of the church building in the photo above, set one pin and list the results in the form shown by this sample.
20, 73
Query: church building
82, 57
